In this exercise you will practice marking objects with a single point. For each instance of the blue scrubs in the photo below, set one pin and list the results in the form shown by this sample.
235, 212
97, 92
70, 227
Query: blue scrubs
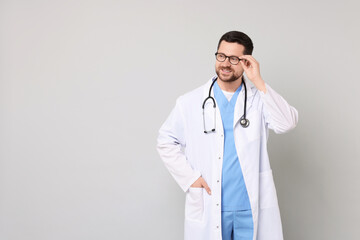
237, 222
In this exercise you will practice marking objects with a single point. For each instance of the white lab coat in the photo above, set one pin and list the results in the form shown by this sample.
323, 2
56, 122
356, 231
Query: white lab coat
189, 153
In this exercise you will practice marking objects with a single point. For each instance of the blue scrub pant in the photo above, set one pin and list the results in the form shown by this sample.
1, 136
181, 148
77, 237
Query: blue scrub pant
237, 225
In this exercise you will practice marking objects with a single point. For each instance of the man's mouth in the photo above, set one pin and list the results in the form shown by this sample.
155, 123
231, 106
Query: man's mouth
226, 70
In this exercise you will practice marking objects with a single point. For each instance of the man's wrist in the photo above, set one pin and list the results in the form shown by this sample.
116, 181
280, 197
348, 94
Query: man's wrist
260, 84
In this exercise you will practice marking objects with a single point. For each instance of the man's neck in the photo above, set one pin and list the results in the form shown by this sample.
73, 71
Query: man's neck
230, 86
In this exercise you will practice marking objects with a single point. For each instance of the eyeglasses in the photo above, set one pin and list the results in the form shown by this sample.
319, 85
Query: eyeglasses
222, 57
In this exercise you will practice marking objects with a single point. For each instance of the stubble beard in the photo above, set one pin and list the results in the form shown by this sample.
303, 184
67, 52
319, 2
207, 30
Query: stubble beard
231, 78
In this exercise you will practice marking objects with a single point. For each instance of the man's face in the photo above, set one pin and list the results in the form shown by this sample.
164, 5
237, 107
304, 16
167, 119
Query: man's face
225, 70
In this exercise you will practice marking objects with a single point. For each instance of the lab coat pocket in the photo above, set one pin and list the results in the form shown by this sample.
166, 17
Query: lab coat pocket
194, 204
268, 198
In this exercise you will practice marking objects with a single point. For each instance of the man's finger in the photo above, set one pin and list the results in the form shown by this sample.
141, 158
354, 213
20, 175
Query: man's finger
250, 59
206, 187
244, 65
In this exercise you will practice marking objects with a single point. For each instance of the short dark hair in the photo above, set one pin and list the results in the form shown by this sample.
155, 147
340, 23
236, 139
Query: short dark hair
240, 38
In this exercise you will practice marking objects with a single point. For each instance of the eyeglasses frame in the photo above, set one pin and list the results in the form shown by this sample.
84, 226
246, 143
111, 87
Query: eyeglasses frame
228, 58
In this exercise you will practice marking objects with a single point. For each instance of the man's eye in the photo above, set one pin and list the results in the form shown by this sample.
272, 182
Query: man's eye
234, 59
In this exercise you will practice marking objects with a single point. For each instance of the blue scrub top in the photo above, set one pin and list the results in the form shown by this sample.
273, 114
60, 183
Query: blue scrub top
234, 196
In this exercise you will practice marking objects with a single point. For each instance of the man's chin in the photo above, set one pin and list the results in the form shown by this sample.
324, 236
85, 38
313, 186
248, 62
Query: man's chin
227, 79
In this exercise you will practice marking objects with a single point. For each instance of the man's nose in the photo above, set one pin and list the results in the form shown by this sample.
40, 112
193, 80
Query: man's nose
227, 62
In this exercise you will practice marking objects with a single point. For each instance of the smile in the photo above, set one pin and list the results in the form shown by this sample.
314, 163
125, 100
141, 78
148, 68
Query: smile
226, 70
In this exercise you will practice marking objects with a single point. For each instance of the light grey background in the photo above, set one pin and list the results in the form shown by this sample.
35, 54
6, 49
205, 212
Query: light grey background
85, 86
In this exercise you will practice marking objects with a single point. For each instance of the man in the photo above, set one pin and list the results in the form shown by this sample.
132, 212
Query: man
214, 143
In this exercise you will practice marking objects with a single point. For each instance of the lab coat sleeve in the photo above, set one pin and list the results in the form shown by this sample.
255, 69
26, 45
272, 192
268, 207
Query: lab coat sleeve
279, 115
171, 144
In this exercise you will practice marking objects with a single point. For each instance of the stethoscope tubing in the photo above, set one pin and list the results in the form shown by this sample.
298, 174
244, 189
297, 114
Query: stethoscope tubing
244, 122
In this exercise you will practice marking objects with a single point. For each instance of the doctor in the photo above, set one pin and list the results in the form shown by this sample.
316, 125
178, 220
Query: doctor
221, 163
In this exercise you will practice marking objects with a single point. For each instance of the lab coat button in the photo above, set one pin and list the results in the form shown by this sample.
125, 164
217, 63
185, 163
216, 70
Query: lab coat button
218, 181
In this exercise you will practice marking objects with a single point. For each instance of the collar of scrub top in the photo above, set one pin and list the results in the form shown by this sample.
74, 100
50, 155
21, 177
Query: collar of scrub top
209, 95
221, 99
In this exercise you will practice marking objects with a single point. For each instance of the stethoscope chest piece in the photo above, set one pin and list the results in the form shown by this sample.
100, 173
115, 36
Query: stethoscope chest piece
244, 122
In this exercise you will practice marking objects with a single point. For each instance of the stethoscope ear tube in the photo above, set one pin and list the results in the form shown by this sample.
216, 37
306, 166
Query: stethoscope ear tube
213, 100
203, 107
214, 106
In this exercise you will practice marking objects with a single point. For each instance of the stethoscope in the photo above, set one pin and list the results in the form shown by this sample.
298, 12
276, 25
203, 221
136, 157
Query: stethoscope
244, 122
